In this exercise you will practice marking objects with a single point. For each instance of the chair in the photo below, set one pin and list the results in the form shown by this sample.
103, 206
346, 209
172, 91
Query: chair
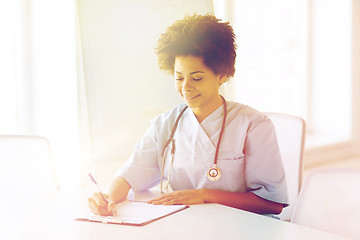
290, 133
330, 201
25, 165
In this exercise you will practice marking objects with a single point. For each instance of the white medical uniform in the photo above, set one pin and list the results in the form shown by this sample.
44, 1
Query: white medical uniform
249, 157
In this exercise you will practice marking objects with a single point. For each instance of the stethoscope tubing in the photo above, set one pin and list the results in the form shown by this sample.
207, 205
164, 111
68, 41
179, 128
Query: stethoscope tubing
171, 139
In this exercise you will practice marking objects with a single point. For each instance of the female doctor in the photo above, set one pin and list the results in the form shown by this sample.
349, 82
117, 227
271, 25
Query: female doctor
208, 150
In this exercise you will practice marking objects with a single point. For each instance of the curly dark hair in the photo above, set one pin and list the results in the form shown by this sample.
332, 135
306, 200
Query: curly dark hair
199, 35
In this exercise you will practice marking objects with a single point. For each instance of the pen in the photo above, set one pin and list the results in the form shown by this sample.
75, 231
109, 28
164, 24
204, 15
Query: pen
97, 186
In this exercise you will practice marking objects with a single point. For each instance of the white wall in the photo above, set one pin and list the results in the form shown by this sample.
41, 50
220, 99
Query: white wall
124, 86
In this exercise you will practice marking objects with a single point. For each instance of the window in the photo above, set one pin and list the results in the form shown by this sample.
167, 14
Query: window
38, 85
8, 91
297, 57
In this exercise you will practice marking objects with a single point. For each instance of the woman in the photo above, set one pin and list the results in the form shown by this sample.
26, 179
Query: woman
183, 144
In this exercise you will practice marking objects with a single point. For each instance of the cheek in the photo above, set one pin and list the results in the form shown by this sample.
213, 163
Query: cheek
214, 87
178, 86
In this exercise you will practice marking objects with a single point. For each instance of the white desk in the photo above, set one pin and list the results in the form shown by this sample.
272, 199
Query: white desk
51, 216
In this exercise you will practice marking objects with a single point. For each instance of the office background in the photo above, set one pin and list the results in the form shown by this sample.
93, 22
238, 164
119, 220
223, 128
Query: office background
84, 73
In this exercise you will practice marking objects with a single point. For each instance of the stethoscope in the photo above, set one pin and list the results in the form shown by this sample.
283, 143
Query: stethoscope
214, 173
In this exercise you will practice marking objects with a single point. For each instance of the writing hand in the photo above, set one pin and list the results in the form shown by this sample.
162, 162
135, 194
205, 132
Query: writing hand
99, 206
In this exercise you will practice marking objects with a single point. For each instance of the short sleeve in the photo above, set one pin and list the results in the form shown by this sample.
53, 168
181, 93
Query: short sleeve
264, 171
141, 170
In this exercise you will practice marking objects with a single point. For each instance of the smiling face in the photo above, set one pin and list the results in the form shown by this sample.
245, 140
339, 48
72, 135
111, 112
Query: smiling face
198, 85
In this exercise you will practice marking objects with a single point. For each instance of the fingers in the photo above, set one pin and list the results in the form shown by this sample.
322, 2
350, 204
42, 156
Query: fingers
173, 201
98, 197
98, 210
188, 197
170, 199
160, 201
99, 206
111, 207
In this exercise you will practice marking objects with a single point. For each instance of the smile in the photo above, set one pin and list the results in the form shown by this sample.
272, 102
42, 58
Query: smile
190, 98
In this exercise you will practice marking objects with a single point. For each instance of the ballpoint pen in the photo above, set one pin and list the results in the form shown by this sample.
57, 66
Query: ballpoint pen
97, 186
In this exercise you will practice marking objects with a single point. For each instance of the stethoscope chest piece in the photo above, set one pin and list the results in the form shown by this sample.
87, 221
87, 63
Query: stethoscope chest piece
214, 173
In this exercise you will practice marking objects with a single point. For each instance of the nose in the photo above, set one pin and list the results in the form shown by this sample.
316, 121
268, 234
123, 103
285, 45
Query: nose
187, 84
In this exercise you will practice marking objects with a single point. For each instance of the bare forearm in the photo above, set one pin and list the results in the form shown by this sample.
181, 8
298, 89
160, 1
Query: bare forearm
245, 201
118, 189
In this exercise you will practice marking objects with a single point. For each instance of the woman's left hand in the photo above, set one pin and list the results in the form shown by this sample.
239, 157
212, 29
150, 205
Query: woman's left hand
188, 197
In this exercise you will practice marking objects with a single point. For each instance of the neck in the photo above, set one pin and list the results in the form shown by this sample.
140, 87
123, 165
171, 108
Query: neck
203, 112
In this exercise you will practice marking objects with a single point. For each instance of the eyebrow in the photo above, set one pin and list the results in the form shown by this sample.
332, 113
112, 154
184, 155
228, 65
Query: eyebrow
191, 72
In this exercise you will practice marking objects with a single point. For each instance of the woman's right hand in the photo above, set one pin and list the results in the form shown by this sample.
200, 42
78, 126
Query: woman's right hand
99, 206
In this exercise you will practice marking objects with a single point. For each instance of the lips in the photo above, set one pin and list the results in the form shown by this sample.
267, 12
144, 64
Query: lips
191, 97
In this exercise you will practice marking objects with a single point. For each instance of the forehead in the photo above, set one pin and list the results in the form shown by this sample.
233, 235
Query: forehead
189, 63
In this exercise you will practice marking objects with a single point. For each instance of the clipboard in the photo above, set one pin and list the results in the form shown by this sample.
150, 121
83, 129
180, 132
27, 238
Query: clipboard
135, 213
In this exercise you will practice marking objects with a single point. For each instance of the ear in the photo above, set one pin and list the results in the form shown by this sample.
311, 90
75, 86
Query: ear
222, 79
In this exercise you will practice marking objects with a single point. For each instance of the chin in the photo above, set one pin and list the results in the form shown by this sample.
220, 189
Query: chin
193, 105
